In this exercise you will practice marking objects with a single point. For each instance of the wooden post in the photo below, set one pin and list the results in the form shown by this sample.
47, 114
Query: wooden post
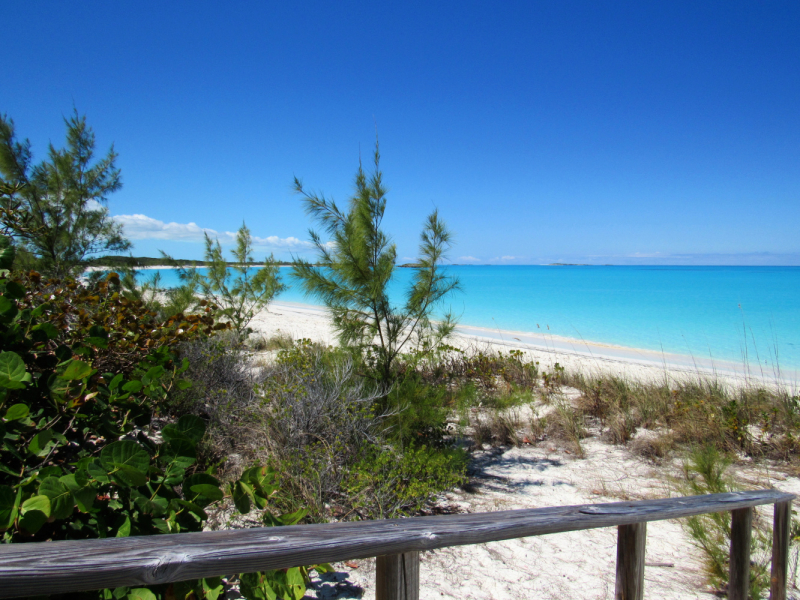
741, 530
631, 541
397, 577
780, 550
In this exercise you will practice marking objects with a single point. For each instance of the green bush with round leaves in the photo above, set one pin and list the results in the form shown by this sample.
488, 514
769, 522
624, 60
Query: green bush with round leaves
82, 372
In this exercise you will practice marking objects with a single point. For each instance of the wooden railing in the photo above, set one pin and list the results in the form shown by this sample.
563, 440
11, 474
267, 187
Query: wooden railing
72, 566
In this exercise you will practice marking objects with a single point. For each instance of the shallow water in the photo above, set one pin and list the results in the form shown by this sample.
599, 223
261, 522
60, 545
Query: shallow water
727, 313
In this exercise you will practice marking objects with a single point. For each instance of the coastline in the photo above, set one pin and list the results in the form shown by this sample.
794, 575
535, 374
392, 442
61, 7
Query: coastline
300, 320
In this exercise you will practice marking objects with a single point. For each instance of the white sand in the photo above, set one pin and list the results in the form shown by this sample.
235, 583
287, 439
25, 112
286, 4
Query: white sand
578, 564
568, 565
308, 321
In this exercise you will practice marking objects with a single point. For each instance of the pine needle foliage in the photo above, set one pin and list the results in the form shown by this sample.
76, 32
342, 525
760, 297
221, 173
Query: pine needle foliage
241, 290
354, 270
56, 209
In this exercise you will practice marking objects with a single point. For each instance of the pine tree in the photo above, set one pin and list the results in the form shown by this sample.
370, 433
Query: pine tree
240, 289
57, 210
354, 270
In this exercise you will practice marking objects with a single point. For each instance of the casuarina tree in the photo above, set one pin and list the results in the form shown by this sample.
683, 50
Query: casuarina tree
356, 266
57, 209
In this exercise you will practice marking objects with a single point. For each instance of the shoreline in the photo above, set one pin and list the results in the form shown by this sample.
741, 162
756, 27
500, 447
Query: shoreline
312, 321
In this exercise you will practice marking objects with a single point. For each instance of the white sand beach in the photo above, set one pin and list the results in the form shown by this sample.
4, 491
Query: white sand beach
312, 322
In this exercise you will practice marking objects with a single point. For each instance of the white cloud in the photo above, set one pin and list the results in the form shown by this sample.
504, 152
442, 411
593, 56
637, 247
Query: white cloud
508, 258
142, 227
469, 259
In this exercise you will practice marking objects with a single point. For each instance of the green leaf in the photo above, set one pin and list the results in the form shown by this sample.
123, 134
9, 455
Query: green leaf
48, 330
114, 384
61, 501
77, 369
293, 518
35, 512
141, 594
124, 529
40, 503
259, 476
174, 475
133, 387
14, 290
255, 587
188, 427
178, 453
156, 506
63, 353
193, 508
16, 412
97, 472
210, 491
323, 568
12, 371
97, 342
83, 492
183, 384
41, 443
32, 521
294, 579
37, 312
8, 309
212, 587
155, 373
195, 488
129, 476
98, 331
241, 497
8, 507
127, 453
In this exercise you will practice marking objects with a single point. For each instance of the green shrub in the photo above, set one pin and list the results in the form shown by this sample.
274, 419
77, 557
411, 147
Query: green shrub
82, 370
416, 411
705, 472
387, 483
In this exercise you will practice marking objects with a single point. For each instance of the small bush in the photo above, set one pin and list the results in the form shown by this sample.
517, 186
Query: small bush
568, 424
416, 411
386, 483
82, 371
756, 421
705, 472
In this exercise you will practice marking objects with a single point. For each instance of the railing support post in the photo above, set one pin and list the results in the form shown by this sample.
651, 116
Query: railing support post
631, 541
739, 577
780, 550
397, 577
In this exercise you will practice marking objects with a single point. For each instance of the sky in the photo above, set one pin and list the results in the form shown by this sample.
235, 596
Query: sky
589, 132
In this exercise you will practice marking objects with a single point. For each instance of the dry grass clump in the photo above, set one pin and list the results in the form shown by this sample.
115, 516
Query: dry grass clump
277, 341
490, 371
755, 420
224, 393
568, 424
495, 428
655, 447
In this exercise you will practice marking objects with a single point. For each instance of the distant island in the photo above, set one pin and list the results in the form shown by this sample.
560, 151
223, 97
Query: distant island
147, 261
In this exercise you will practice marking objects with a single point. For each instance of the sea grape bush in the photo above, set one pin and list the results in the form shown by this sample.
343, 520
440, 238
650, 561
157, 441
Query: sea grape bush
82, 371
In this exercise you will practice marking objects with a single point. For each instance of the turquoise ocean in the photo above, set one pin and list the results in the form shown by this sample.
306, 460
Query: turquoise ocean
722, 313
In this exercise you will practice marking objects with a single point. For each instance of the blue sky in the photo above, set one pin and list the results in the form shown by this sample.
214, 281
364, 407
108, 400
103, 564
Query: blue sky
624, 132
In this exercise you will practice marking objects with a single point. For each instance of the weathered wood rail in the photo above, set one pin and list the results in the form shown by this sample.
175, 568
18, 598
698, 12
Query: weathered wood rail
74, 566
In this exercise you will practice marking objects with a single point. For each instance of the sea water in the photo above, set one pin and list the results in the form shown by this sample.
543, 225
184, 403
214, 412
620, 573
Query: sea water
722, 313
